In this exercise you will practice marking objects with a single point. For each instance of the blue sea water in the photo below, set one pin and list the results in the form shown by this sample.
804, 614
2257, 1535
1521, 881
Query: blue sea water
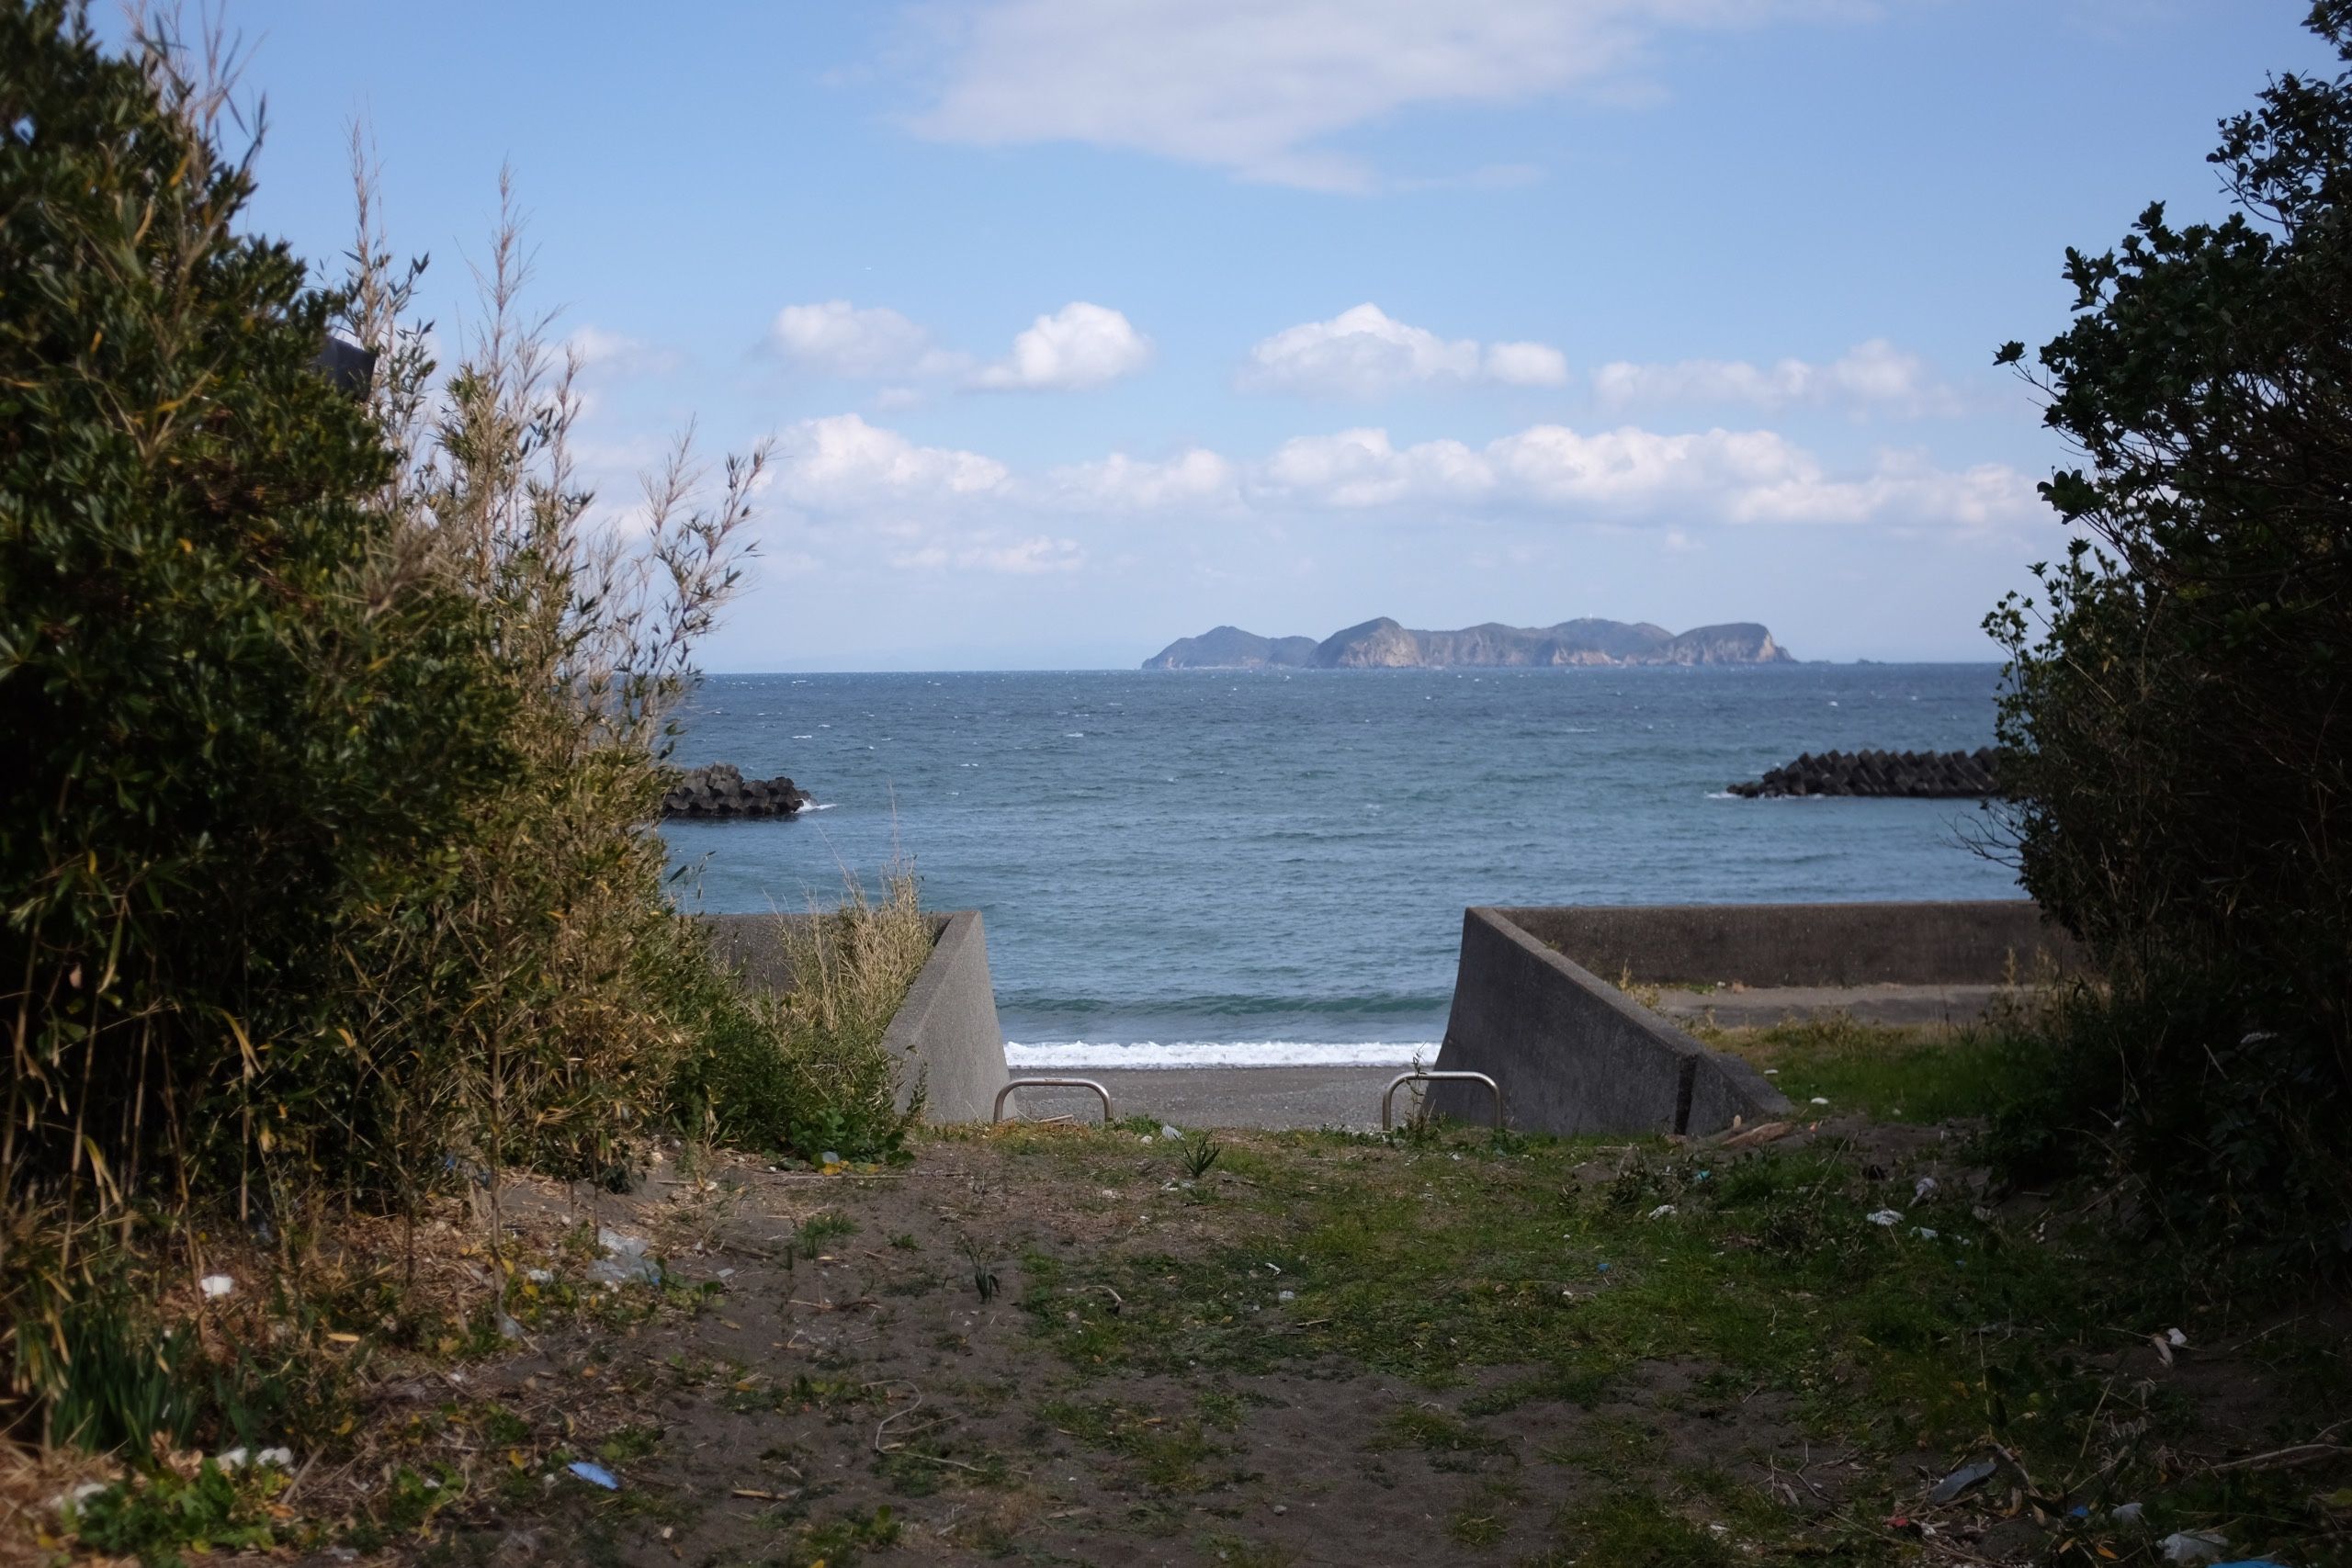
1219, 866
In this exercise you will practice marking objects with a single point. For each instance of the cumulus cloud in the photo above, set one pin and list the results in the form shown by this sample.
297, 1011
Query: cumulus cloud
1634, 475
1078, 346
1252, 85
838, 338
1365, 352
873, 493
841, 463
1526, 365
1874, 376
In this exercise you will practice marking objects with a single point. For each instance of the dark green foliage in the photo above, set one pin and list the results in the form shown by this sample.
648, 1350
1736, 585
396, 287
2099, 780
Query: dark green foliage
239, 722
2174, 726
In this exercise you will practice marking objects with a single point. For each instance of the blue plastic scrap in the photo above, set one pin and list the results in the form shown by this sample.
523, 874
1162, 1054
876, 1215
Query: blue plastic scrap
587, 1471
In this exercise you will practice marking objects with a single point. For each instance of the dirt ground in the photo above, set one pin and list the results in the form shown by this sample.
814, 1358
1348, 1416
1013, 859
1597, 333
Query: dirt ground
1055, 1346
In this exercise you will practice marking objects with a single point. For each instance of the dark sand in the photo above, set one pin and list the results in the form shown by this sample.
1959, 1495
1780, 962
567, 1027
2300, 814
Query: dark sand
1221, 1097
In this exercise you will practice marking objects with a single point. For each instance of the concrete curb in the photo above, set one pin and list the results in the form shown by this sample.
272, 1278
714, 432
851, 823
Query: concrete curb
945, 1035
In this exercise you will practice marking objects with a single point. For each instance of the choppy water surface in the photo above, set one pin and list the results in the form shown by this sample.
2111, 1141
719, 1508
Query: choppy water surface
1211, 866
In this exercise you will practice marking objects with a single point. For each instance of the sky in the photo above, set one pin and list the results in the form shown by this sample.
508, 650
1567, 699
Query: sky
1081, 325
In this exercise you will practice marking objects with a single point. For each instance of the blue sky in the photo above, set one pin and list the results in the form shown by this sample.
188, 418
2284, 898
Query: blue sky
1080, 325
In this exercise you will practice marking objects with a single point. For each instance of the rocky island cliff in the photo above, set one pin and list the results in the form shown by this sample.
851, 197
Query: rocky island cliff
1383, 644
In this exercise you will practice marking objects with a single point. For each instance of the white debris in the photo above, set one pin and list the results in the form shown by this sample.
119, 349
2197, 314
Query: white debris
215, 1286
1661, 1211
1923, 1189
1167, 1132
1884, 1217
1819, 1100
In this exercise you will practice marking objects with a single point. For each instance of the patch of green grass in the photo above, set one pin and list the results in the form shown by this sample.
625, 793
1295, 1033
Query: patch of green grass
1164, 1454
1890, 1072
819, 1228
629, 1443
158, 1517
1631, 1529
838, 1542
1451, 1442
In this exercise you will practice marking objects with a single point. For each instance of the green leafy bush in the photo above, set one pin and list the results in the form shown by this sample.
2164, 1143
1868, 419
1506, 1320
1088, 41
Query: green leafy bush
2173, 721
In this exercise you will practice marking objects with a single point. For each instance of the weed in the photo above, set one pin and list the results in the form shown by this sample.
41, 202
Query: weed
818, 1229
1199, 1153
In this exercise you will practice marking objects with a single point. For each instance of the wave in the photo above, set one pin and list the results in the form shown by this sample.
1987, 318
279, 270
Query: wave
1218, 1053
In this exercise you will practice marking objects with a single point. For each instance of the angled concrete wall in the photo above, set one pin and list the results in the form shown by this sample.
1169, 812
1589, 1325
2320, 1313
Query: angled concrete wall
1574, 1055
1808, 945
946, 1035
1536, 1006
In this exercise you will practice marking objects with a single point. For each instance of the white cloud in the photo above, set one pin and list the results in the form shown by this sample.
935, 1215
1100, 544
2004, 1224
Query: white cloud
869, 493
1251, 85
1526, 365
1120, 483
1033, 557
841, 463
838, 338
1870, 376
600, 351
1078, 346
1634, 475
1365, 352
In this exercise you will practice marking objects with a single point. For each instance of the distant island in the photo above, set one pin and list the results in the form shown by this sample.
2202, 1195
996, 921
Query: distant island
1384, 644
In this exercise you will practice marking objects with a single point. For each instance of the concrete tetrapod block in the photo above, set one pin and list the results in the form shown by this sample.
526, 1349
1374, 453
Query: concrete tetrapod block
945, 1036
1574, 1055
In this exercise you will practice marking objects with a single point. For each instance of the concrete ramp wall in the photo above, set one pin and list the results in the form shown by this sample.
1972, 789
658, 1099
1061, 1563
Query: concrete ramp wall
1808, 945
1574, 1055
946, 1035
1536, 1005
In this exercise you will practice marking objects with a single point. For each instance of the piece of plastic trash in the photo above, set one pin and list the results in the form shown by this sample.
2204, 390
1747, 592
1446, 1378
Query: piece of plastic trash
2193, 1549
596, 1473
1960, 1480
1922, 1188
2130, 1514
1819, 1100
625, 1261
1167, 1132
1884, 1217
2175, 1338
1661, 1211
215, 1286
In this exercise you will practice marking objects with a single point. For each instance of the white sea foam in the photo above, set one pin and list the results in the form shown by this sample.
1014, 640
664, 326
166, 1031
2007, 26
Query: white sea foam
1218, 1053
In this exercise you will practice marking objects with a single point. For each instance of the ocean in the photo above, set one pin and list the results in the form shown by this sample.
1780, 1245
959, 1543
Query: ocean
1223, 867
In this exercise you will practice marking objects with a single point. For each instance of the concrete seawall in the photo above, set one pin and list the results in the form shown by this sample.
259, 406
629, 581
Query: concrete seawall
1974, 942
1573, 1054
946, 1035
1537, 1008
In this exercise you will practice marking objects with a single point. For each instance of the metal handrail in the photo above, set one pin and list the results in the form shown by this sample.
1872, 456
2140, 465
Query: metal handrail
1389, 1098
998, 1115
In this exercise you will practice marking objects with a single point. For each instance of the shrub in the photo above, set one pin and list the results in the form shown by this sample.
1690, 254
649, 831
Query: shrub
2172, 719
340, 734
804, 1073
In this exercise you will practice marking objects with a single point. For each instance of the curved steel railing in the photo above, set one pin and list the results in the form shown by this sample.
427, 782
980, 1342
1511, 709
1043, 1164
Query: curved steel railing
997, 1114
1388, 1098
